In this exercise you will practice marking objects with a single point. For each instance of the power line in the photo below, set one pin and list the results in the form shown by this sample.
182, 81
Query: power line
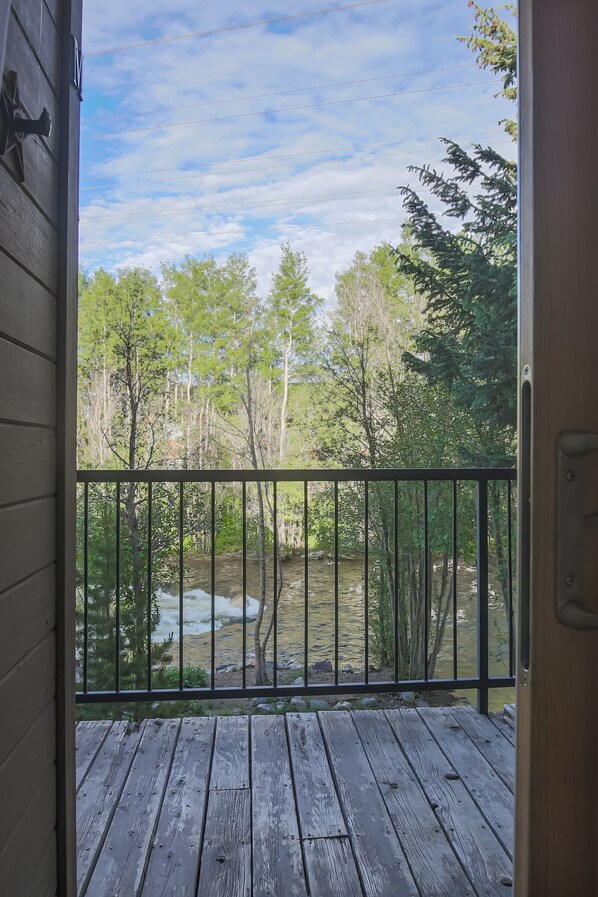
386, 191
280, 93
203, 121
196, 34
334, 149
195, 233
353, 158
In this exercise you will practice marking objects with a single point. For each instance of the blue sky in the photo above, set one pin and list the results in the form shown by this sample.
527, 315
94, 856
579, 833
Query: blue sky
296, 130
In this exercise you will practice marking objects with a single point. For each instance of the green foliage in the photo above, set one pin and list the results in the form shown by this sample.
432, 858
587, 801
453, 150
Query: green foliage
494, 43
193, 677
468, 345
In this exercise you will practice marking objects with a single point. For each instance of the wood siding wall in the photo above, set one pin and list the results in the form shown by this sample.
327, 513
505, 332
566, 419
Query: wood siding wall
33, 296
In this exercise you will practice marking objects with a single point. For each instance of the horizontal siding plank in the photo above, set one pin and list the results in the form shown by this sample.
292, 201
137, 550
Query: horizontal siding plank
28, 540
35, 92
27, 309
27, 463
26, 234
25, 692
27, 386
23, 854
40, 28
28, 613
23, 773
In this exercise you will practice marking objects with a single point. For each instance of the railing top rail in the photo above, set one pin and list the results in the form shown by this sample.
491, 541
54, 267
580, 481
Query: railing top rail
318, 475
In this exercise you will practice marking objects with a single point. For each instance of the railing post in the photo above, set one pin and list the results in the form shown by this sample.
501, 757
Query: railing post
482, 593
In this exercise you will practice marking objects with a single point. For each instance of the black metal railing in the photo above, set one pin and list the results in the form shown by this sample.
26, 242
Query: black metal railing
422, 558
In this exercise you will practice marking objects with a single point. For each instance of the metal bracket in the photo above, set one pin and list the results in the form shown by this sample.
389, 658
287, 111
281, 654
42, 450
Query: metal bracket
16, 128
571, 525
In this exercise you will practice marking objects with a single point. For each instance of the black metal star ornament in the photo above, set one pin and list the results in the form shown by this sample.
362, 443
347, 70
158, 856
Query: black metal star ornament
16, 128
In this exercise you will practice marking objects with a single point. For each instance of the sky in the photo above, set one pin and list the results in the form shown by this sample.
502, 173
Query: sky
211, 128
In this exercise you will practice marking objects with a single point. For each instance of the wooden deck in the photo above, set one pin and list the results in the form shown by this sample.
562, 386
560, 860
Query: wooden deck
334, 804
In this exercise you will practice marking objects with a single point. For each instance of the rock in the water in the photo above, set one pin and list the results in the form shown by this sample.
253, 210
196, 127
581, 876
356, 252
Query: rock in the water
347, 668
257, 701
166, 658
299, 682
342, 705
408, 697
264, 708
319, 705
298, 704
221, 667
322, 666
369, 701
420, 702
316, 555
293, 665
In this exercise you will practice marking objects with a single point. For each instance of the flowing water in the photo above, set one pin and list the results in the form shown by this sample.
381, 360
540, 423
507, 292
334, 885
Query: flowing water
291, 618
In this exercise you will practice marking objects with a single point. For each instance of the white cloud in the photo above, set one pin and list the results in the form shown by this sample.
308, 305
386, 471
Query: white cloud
310, 200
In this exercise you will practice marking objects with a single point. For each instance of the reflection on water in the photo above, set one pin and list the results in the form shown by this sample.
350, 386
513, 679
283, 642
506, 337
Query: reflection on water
293, 620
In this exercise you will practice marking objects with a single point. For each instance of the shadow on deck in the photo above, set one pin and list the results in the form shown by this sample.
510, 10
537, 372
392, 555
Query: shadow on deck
334, 804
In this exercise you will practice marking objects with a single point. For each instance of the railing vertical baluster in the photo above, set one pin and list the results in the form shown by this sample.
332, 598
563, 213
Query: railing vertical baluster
117, 595
275, 584
396, 589
426, 583
366, 587
336, 582
85, 583
482, 594
306, 588
213, 582
244, 525
149, 586
510, 574
455, 561
181, 586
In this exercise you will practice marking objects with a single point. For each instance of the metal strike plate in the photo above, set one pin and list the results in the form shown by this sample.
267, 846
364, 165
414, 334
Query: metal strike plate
572, 524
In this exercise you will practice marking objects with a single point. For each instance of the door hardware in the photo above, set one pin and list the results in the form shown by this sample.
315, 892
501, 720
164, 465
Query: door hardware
16, 128
571, 524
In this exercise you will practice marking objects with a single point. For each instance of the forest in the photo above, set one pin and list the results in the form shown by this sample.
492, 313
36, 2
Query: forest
412, 365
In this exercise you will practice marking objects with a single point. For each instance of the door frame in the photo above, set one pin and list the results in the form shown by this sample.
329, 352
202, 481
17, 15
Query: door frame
66, 424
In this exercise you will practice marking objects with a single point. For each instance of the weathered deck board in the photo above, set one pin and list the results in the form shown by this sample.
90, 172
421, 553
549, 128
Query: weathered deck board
174, 859
319, 810
488, 791
100, 791
503, 726
225, 867
380, 858
336, 803
433, 862
90, 737
480, 852
121, 865
331, 868
230, 765
277, 857
499, 752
